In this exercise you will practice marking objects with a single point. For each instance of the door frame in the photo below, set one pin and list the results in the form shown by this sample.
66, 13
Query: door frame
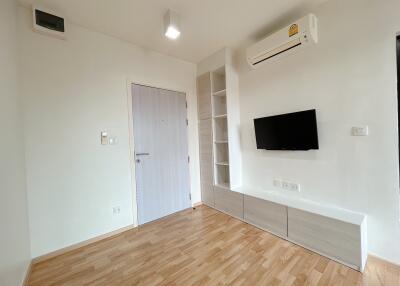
129, 84
398, 96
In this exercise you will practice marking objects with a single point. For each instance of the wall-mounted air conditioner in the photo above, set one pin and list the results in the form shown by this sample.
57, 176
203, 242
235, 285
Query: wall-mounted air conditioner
295, 36
48, 22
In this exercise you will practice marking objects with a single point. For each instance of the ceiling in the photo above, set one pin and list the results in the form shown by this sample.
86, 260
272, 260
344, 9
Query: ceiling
206, 25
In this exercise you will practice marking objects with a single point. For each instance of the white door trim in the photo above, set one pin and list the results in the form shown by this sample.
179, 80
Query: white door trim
129, 84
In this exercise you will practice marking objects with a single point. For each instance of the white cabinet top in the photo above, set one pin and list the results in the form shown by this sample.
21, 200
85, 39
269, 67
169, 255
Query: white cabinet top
305, 205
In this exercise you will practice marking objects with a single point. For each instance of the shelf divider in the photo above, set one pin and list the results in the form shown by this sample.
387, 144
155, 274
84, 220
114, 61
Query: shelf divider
220, 93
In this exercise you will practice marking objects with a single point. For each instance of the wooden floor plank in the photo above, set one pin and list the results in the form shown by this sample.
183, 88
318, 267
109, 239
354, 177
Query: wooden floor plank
202, 247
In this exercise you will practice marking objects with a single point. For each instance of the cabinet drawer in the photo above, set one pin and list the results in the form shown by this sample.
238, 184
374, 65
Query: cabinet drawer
229, 202
266, 215
334, 238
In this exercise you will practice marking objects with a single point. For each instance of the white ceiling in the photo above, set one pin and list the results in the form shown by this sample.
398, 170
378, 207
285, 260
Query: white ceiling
207, 25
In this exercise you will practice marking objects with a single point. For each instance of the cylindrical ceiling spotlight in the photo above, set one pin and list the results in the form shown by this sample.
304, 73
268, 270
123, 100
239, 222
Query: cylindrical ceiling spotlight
171, 25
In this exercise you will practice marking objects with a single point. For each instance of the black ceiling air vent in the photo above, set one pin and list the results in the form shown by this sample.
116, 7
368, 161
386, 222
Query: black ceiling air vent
49, 21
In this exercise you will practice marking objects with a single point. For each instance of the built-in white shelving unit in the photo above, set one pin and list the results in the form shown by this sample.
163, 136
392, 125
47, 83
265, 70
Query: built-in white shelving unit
220, 124
222, 86
335, 233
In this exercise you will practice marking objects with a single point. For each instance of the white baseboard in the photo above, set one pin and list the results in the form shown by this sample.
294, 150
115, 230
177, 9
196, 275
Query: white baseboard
27, 274
81, 244
384, 259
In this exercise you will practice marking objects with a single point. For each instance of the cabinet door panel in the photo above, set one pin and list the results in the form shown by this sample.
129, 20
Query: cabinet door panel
229, 202
331, 237
266, 215
206, 162
204, 96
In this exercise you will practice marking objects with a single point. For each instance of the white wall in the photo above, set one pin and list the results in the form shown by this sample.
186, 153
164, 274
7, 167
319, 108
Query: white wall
72, 90
14, 231
350, 78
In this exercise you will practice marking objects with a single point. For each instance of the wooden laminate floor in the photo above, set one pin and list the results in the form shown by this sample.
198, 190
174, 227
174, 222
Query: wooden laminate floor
202, 247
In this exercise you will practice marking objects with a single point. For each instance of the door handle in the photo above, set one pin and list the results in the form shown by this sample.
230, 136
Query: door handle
142, 154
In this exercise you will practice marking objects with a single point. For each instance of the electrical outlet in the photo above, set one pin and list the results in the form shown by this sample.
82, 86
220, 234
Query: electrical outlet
112, 141
285, 185
116, 210
360, 131
277, 183
294, 187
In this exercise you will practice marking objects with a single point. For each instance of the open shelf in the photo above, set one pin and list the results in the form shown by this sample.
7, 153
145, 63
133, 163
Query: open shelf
218, 80
221, 93
220, 129
219, 106
221, 142
220, 116
221, 154
222, 175
224, 186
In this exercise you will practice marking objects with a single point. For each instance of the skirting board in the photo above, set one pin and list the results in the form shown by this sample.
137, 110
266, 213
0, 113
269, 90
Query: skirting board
384, 260
197, 204
27, 274
92, 240
81, 244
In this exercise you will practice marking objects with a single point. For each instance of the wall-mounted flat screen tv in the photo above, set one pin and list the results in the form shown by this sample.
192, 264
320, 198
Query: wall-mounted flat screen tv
292, 131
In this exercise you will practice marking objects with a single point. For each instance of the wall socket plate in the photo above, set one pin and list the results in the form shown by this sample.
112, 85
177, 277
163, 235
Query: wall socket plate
285, 185
116, 210
360, 131
277, 183
294, 187
112, 141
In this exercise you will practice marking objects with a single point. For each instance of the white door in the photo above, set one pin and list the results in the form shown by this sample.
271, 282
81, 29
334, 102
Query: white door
161, 152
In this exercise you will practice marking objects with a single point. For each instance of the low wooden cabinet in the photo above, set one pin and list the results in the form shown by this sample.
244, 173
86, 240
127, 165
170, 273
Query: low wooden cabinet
336, 233
337, 239
229, 202
266, 215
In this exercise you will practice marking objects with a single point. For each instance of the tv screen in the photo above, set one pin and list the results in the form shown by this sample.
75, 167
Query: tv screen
292, 131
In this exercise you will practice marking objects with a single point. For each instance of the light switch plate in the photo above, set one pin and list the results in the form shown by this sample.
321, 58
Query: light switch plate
104, 138
360, 131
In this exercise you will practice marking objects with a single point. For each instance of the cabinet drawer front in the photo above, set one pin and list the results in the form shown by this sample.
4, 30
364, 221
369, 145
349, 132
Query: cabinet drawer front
229, 202
207, 188
266, 215
204, 96
206, 162
334, 238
